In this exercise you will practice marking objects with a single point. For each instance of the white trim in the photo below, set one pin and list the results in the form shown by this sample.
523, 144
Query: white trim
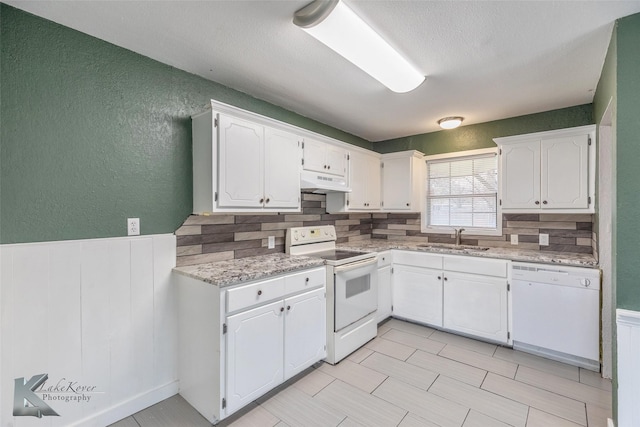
460, 155
130, 406
579, 130
88, 239
628, 317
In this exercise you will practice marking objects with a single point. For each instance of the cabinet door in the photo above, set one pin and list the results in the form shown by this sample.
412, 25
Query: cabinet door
396, 184
365, 182
359, 171
521, 175
305, 335
255, 346
373, 183
384, 293
281, 169
241, 163
314, 155
417, 294
476, 305
336, 159
564, 175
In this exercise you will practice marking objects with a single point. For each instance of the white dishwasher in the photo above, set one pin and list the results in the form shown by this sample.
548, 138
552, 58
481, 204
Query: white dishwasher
556, 312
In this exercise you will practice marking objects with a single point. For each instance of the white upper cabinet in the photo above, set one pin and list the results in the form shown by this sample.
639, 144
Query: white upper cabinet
242, 164
323, 157
281, 169
364, 178
402, 181
552, 171
520, 175
241, 151
566, 161
365, 182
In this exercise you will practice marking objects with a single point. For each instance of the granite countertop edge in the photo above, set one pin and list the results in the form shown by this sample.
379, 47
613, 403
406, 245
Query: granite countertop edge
520, 255
236, 271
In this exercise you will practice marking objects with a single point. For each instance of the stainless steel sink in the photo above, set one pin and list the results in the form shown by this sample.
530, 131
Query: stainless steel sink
467, 248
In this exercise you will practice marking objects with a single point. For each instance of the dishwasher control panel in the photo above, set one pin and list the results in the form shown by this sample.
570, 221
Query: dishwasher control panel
560, 275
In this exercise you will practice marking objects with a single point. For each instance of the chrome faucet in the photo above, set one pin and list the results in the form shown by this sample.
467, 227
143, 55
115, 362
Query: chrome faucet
458, 235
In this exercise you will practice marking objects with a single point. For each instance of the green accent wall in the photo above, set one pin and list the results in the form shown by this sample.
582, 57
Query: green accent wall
92, 133
627, 163
481, 135
619, 82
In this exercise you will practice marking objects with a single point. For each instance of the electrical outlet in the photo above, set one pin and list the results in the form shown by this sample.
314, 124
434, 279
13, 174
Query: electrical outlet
271, 242
133, 226
543, 239
514, 239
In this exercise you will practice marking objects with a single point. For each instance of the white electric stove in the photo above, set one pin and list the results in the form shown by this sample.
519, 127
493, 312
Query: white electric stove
352, 288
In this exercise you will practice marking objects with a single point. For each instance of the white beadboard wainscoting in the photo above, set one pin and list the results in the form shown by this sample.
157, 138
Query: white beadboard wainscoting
628, 325
97, 313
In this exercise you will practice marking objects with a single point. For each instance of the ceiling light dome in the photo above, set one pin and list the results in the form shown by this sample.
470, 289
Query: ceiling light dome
450, 122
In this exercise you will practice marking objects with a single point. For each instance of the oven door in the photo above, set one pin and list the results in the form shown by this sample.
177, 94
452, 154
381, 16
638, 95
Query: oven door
356, 291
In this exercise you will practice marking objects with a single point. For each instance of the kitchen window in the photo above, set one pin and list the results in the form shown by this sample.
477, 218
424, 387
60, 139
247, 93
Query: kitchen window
462, 192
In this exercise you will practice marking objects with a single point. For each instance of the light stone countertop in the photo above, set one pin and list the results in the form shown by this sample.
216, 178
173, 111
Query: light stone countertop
235, 271
561, 258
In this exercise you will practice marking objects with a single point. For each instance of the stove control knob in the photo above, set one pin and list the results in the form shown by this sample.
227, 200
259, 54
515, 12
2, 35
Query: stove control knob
585, 282
304, 234
295, 235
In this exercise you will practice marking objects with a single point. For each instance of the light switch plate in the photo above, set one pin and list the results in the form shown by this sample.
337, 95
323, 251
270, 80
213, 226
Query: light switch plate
514, 239
543, 239
271, 242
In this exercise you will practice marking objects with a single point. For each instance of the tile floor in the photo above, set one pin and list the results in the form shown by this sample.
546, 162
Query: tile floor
411, 375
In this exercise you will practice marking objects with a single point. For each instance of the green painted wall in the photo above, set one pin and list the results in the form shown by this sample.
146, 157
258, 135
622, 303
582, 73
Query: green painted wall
627, 162
481, 135
92, 134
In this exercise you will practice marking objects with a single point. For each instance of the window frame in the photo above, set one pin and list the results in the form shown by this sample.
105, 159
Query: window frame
460, 155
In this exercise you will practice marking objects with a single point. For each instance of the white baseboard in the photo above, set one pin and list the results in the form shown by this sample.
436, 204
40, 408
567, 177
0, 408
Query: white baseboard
129, 407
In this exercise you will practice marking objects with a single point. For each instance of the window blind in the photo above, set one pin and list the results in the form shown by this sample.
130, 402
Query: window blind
463, 192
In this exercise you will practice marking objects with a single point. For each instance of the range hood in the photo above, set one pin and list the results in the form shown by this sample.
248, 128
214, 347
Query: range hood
322, 183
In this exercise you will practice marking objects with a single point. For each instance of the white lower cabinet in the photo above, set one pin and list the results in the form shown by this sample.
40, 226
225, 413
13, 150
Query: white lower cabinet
476, 305
305, 331
457, 293
255, 341
237, 343
417, 294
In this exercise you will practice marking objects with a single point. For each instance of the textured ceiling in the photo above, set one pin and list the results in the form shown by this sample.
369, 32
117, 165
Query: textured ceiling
484, 60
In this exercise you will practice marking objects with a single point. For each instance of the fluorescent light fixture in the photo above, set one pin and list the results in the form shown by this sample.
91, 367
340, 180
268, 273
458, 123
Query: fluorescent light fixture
337, 26
450, 122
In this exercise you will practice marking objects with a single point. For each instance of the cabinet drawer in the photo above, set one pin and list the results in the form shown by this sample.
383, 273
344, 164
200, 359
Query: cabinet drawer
384, 259
418, 259
305, 280
257, 293
487, 267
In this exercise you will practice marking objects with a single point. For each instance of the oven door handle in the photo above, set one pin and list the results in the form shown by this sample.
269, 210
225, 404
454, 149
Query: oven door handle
353, 265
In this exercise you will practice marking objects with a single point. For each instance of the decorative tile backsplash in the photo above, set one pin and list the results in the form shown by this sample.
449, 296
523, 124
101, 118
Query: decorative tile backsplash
220, 237
567, 233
